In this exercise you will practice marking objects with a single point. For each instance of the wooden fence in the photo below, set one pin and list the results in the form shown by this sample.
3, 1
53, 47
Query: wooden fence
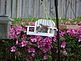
40, 8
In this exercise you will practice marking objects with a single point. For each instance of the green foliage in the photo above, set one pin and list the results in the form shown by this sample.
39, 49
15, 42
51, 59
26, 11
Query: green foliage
33, 19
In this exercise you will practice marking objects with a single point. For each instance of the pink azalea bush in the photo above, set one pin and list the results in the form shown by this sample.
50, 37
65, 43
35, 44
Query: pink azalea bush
23, 47
38, 46
34, 45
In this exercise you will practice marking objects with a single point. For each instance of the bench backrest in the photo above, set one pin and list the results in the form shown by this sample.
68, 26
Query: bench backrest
49, 23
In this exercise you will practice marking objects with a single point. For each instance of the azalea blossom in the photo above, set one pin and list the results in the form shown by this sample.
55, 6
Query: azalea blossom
17, 42
31, 50
38, 44
22, 22
72, 32
79, 31
79, 39
23, 28
24, 36
33, 39
54, 39
45, 44
31, 23
68, 23
79, 23
39, 38
12, 33
27, 59
33, 55
65, 52
13, 49
75, 23
23, 43
63, 44
18, 29
62, 34
26, 21
45, 57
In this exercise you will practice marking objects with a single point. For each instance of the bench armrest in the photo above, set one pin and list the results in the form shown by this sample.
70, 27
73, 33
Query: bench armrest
29, 27
53, 28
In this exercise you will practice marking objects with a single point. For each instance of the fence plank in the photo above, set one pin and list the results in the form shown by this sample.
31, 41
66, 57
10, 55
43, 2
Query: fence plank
30, 8
19, 8
8, 8
36, 9
26, 8
14, 9
68, 8
64, 8
2, 12
41, 9
52, 9
48, 9
79, 8
0, 7
60, 8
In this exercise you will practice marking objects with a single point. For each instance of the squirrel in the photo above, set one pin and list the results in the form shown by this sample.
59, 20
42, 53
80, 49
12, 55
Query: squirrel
42, 28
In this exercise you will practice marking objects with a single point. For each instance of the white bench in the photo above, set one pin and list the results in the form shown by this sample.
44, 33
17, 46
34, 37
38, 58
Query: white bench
43, 28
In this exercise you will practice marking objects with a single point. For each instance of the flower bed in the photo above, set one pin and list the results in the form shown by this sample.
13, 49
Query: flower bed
22, 47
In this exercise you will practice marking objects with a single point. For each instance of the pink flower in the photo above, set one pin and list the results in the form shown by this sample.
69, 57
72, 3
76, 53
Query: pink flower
65, 53
13, 49
24, 36
79, 31
75, 23
63, 44
11, 23
33, 39
45, 44
45, 57
72, 32
44, 49
12, 33
33, 55
62, 34
23, 43
79, 23
17, 42
18, 29
24, 29
31, 23
22, 22
68, 23
54, 39
79, 40
39, 38
31, 50
26, 21
27, 59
